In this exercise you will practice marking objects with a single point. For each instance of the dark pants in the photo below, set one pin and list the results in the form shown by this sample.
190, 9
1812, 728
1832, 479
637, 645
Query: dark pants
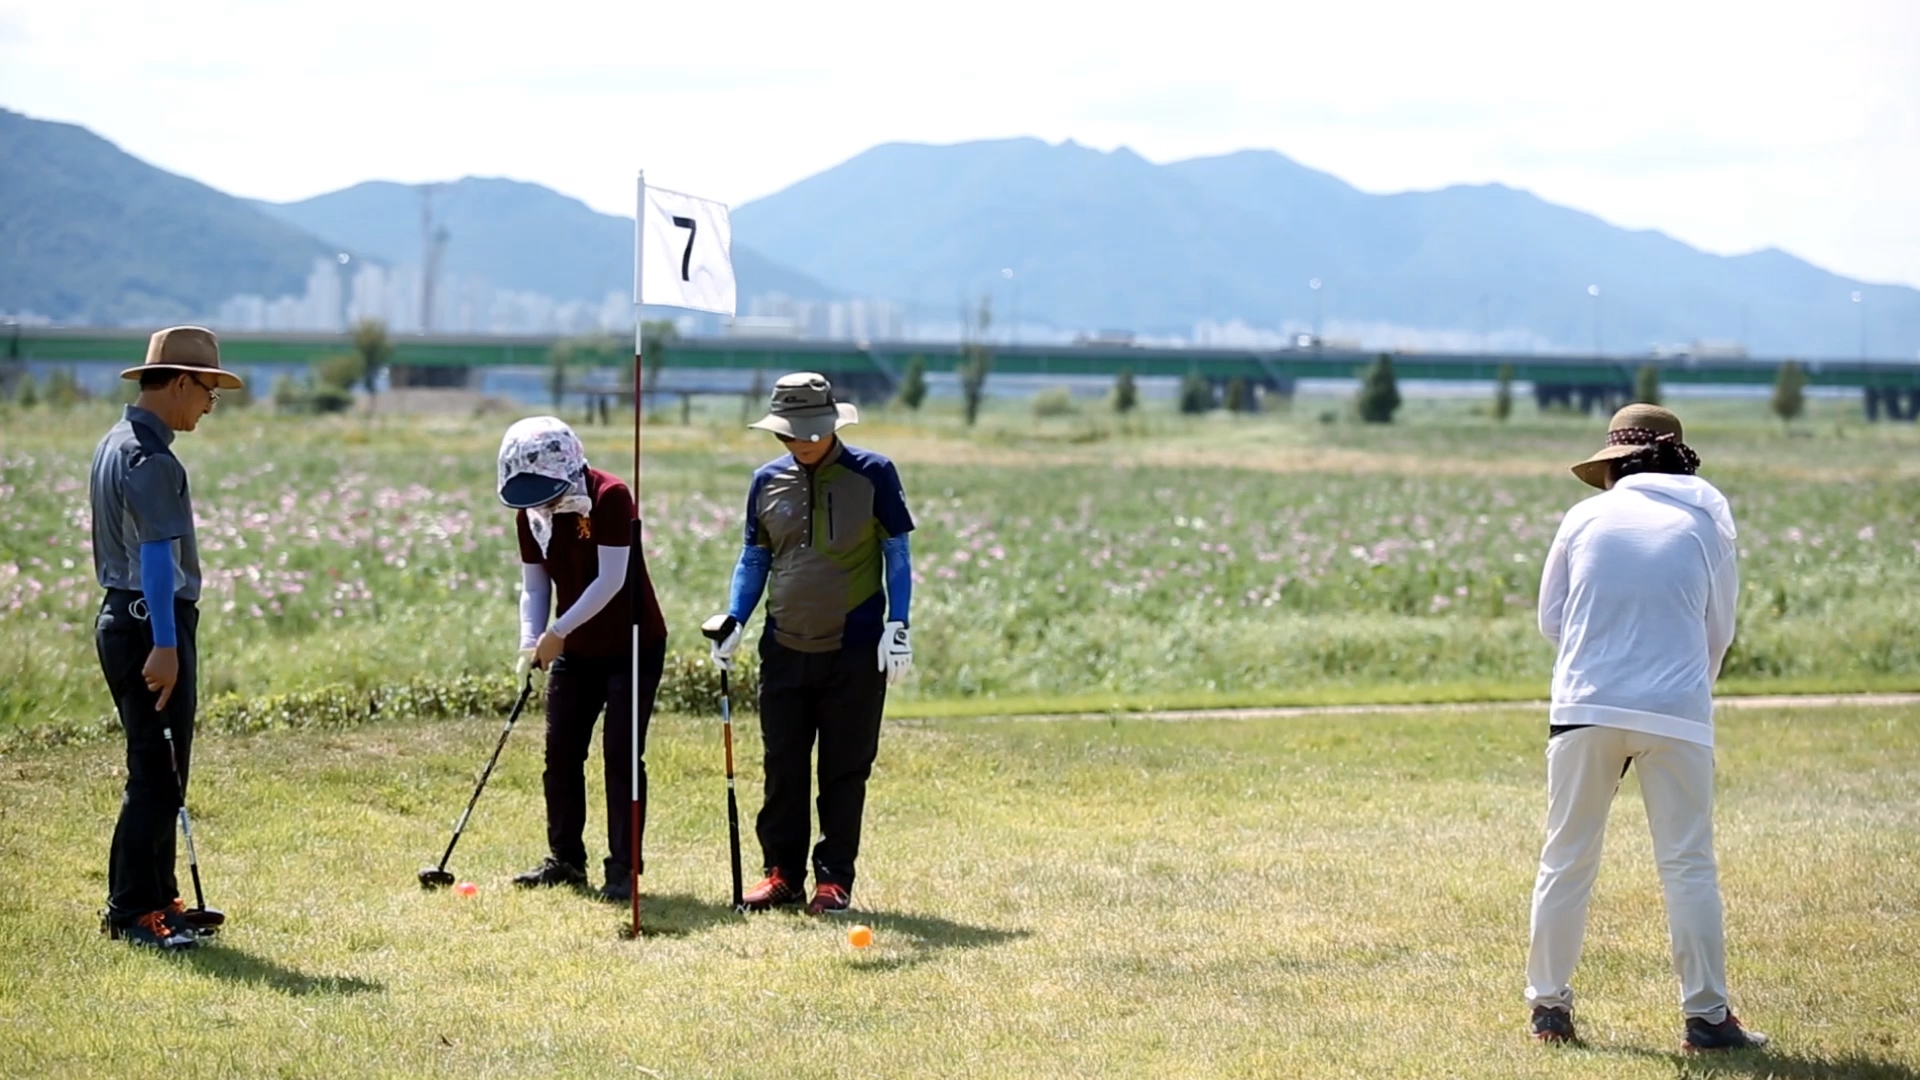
838, 696
578, 687
140, 874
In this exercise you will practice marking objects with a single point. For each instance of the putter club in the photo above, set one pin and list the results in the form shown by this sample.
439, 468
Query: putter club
203, 920
437, 877
716, 629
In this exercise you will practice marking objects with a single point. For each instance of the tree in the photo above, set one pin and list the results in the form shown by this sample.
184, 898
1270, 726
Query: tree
1379, 392
1646, 385
1126, 396
559, 360
64, 390
338, 372
976, 360
655, 336
756, 397
374, 351
1053, 401
1196, 394
1789, 391
1239, 395
28, 395
913, 387
1503, 394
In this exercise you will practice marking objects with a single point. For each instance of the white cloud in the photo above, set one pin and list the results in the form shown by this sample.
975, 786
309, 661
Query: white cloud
1725, 124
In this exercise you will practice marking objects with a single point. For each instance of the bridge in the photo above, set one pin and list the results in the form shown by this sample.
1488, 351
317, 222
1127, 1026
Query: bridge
873, 370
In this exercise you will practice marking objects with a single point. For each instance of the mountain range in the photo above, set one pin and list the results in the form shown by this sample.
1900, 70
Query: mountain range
1094, 240
1099, 239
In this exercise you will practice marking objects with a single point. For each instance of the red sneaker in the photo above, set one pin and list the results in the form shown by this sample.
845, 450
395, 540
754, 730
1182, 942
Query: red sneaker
775, 891
830, 899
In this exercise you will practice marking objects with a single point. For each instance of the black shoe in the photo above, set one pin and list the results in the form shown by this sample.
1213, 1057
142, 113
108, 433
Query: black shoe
619, 886
1551, 1025
1725, 1035
153, 931
551, 871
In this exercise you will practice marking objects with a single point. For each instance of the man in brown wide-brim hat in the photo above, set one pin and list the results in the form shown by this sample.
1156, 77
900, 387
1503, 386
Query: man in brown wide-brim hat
1638, 598
145, 557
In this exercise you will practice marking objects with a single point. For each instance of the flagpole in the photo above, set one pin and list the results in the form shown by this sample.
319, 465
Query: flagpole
633, 599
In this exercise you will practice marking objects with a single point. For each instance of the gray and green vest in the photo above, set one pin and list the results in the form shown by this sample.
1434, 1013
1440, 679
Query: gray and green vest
824, 527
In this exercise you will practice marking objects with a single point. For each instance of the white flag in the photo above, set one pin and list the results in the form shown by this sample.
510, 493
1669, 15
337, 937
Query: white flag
685, 256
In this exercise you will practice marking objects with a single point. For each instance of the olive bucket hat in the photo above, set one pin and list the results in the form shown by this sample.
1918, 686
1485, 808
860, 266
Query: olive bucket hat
803, 408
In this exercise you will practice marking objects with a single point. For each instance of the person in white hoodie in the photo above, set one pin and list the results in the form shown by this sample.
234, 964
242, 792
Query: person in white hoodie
1638, 596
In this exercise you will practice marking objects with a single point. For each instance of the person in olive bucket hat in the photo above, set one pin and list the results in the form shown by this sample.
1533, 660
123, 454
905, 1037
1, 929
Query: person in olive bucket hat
146, 558
1638, 598
826, 535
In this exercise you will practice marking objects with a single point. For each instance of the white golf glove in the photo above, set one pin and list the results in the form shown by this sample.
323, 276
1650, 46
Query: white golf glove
896, 652
523, 664
724, 632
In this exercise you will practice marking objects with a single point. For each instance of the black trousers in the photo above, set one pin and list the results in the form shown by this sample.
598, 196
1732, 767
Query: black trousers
578, 688
140, 870
837, 696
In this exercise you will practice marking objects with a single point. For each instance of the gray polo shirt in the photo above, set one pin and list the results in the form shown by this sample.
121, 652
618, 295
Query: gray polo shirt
139, 494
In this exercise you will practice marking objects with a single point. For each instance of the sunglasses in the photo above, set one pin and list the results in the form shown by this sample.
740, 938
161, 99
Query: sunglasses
213, 392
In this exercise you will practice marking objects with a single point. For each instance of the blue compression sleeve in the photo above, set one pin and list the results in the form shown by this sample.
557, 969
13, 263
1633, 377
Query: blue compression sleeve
156, 584
899, 562
749, 581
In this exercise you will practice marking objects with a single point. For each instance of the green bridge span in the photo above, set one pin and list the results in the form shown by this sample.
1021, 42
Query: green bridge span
876, 368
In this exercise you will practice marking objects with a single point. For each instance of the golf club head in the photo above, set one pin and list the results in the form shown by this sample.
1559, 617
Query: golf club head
432, 877
205, 921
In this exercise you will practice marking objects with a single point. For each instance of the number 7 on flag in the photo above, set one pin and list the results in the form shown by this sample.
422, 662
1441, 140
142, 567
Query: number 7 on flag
684, 254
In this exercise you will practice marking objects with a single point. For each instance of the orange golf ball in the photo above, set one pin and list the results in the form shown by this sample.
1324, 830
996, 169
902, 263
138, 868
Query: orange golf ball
466, 888
860, 937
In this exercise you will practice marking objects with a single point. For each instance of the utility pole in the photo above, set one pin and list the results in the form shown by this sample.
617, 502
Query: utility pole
1860, 302
433, 242
1594, 291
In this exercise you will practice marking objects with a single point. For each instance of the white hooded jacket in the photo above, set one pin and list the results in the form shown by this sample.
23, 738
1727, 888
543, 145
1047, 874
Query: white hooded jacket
1638, 595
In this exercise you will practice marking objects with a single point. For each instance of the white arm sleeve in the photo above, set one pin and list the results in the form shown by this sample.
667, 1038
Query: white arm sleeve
1723, 597
1553, 592
536, 599
604, 587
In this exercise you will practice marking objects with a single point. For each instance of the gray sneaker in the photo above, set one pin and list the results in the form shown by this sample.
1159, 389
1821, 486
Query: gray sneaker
1728, 1034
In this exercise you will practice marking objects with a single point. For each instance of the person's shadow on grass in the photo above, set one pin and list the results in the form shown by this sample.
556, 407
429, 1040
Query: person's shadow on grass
239, 966
676, 914
923, 938
1772, 1064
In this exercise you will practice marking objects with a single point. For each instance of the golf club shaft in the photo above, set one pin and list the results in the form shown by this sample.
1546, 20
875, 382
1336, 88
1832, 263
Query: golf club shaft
733, 803
186, 823
506, 730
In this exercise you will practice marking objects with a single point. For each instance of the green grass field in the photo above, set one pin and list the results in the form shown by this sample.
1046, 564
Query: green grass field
1316, 897
1065, 564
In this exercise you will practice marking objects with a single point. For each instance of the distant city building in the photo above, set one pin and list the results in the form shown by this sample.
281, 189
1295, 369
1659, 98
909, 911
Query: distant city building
338, 295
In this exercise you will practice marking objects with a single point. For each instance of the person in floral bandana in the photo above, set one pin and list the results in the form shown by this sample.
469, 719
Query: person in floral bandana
578, 531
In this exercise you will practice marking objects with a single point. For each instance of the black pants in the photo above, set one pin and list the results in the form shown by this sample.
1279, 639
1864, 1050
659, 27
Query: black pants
838, 696
140, 873
578, 688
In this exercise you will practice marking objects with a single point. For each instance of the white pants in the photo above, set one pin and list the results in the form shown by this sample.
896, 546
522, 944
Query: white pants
1584, 769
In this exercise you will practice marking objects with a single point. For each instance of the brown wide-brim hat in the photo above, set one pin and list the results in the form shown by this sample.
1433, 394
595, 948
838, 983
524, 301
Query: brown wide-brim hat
191, 349
803, 408
1628, 424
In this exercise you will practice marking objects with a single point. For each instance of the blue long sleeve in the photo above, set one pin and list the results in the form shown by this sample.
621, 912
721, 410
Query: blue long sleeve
898, 558
156, 584
749, 581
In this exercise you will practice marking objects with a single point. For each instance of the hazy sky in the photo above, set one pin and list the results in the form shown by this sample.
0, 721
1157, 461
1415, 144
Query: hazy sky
1732, 126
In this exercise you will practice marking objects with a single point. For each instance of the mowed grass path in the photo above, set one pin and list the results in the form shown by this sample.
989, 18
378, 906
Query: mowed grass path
1317, 897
